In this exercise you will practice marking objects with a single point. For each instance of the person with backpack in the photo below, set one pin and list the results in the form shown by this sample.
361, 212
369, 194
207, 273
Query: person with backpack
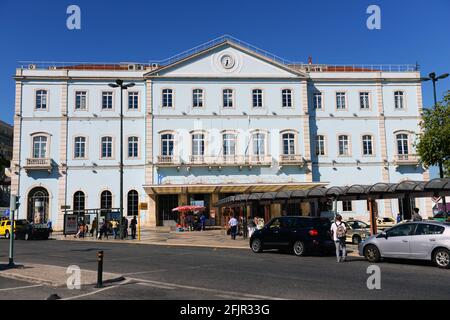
339, 232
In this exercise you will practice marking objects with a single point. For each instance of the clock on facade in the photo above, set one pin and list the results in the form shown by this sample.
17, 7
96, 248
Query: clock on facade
227, 61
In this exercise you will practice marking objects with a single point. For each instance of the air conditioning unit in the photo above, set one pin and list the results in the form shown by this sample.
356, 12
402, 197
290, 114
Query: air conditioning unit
155, 65
52, 68
131, 67
139, 67
31, 67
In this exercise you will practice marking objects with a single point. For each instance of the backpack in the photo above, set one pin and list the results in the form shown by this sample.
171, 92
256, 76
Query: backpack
340, 231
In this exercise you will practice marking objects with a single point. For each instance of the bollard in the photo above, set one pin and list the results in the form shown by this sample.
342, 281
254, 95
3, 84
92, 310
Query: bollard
100, 270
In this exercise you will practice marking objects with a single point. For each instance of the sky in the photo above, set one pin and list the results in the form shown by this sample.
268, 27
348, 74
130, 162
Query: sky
332, 32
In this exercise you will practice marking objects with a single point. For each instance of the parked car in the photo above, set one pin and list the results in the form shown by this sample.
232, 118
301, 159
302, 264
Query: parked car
299, 234
420, 240
385, 223
24, 230
357, 231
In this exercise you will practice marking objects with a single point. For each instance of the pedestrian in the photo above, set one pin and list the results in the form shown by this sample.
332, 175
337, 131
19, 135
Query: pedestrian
124, 228
233, 227
94, 227
114, 225
86, 230
251, 227
339, 232
416, 215
49, 226
244, 227
203, 222
104, 230
133, 224
399, 217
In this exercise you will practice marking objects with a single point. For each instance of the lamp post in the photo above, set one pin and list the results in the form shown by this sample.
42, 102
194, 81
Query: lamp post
432, 76
120, 84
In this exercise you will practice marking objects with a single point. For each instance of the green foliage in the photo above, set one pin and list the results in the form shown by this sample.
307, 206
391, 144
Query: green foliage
433, 144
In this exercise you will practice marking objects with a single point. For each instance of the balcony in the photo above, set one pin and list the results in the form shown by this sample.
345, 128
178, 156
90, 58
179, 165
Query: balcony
259, 160
406, 159
291, 159
168, 161
199, 160
230, 160
38, 164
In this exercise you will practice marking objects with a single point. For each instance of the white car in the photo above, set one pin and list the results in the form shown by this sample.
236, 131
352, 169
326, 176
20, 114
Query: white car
419, 240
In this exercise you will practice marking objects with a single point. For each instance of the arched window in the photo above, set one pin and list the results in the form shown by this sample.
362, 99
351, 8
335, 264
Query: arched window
40, 147
197, 98
132, 203
79, 202
288, 143
402, 144
106, 201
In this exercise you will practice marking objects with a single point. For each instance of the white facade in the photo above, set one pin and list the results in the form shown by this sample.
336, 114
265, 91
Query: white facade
178, 121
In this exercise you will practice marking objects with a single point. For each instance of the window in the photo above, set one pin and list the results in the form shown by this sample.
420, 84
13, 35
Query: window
133, 147
347, 205
402, 230
80, 100
288, 144
340, 100
429, 229
197, 98
317, 100
364, 100
259, 144
167, 144
229, 144
402, 144
40, 147
320, 145
80, 148
107, 100
198, 144
106, 201
257, 98
132, 203
287, 98
167, 98
228, 98
133, 100
398, 99
343, 146
79, 201
367, 145
107, 147
41, 100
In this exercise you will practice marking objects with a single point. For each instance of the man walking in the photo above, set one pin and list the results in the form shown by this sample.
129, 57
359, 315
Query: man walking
339, 232
133, 224
233, 226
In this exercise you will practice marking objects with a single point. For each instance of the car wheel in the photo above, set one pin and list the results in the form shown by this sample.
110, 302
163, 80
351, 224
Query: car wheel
441, 258
256, 246
299, 248
372, 254
7, 234
356, 239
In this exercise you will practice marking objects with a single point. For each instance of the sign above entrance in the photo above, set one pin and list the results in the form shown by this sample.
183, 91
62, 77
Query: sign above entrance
143, 206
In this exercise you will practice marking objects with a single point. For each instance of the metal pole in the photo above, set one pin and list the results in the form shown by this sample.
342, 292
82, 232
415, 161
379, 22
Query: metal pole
100, 270
373, 220
121, 162
11, 240
139, 222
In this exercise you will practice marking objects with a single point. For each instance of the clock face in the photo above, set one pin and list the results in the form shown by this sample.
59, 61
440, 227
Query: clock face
227, 62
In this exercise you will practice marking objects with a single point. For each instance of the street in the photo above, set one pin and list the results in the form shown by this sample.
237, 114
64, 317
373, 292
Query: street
169, 272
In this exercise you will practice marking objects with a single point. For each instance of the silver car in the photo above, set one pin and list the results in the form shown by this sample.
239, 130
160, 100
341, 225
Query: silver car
424, 240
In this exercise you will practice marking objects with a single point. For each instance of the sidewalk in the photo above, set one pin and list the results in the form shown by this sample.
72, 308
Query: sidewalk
52, 275
208, 238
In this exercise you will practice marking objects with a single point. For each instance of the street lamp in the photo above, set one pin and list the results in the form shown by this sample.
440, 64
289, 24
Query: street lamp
432, 77
120, 84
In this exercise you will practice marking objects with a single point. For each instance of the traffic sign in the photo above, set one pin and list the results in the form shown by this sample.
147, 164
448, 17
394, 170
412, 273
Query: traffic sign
436, 199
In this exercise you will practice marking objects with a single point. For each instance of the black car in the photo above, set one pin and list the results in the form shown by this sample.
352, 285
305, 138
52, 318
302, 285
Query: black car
299, 234
28, 231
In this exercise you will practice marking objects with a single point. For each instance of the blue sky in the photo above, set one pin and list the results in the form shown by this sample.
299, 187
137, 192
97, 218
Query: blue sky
133, 30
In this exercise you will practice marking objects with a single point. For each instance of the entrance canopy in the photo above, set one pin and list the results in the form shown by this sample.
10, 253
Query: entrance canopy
235, 188
435, 187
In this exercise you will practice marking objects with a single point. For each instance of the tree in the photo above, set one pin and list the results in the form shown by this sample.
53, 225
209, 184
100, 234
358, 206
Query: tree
433, 143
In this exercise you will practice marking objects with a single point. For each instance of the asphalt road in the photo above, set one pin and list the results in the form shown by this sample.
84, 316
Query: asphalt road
164, 272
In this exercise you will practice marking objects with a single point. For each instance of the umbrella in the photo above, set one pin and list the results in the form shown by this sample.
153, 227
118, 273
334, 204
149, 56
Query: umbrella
189, 208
